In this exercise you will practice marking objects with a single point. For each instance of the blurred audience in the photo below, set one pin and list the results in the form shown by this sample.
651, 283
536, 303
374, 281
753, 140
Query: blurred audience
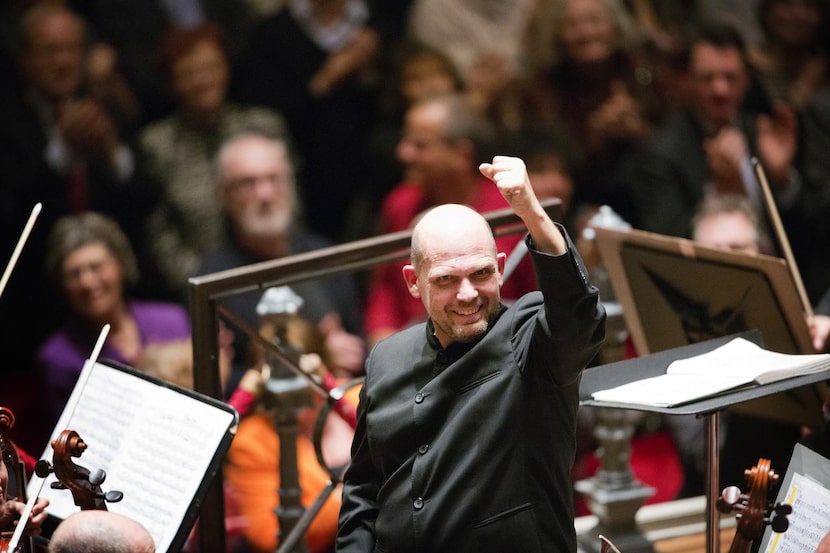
91, 262
489, 69
178, 153
314, 62
418, 72
809, 226
133, 32
550, 159
64, 148
594, 88
464, 31
707, 148
258, 195
792, 58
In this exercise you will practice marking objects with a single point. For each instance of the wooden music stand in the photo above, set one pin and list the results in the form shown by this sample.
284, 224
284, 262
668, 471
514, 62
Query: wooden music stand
675, 292
615, 374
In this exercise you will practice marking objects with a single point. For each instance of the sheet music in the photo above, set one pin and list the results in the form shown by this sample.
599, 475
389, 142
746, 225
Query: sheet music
809, 521
154, 443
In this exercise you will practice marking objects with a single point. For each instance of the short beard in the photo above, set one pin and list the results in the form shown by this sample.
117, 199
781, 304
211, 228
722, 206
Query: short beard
272, 225
466, 334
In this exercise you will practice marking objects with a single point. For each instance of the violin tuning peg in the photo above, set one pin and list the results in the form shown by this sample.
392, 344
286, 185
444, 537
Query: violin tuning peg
97, 477
783, 509
43, 468
729, 497
731, 494
57, 486
113, 496
780, 524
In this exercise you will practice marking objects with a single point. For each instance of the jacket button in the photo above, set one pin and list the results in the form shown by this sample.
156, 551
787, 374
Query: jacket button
423, 448
418, 503
419, 397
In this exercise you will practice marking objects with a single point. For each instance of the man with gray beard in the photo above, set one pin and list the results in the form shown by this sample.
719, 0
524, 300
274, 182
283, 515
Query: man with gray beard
258, 193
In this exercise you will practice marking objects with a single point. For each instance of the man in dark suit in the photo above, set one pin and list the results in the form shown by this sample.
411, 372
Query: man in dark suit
466, 425
706, 149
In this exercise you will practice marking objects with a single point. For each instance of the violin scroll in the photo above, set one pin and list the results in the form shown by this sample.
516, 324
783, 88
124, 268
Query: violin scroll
754, 510
84, 485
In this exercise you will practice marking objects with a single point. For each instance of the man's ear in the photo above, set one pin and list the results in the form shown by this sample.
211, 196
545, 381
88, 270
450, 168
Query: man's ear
501, 259
410, 277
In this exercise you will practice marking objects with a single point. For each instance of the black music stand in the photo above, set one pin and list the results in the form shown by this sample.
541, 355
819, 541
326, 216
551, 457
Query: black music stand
676, 292
159, 443
615, 374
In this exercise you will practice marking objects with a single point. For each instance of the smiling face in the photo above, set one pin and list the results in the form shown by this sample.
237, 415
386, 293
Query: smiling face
457, 273
53, 57
93, 281
200, 78
258, 188
588, 33
429, 157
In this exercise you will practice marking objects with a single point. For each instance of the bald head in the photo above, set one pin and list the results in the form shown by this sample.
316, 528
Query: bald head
449, 225
455, 272
100, 532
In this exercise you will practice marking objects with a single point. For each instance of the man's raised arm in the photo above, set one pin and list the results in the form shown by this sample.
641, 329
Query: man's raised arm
510, 175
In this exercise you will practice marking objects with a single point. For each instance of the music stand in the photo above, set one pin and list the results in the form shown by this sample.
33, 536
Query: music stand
159, 443
622, 372
676, 292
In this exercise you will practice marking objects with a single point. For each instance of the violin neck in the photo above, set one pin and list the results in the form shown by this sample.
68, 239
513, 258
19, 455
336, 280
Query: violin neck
740, 544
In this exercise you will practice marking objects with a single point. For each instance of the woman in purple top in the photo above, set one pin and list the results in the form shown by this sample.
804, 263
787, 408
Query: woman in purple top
90, 259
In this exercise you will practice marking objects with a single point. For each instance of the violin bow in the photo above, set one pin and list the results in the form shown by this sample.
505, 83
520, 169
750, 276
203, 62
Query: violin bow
19, 247
27, 512
784, 243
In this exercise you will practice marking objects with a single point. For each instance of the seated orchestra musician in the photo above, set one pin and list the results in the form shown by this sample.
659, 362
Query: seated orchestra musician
97, 531
253, 466
11, 509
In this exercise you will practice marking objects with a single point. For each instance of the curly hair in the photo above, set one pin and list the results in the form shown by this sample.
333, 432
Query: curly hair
72, 232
